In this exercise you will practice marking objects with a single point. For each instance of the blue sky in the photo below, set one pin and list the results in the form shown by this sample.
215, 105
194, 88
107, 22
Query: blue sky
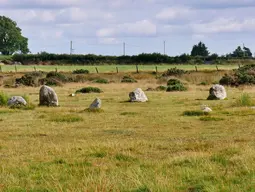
101, 26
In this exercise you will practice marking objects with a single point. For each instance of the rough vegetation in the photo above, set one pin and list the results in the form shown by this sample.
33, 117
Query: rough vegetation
128, 79
243, 76
174, 72
175, 85
89, 90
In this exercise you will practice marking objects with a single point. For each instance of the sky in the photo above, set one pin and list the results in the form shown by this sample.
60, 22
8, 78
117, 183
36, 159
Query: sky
103, 26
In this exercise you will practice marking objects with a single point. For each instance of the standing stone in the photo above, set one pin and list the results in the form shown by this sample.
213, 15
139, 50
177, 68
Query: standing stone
48, 96
138, 96
16, 101
217, 92
96, 104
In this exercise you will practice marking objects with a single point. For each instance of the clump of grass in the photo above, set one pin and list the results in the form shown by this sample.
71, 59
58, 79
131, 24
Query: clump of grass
81, 71
122, 157
211, 118
129, 113
98, 154
3, 99
94, 110
141, 189
128, 79
67, 119
245, 100
161, 88
89, 90
194, 113
204, 83
102, 81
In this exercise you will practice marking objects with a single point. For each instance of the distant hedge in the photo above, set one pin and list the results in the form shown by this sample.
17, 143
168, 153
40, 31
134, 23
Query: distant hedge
90, 59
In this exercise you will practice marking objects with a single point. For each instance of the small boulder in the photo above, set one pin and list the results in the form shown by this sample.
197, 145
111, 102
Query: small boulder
16, 101
138, 96
217, 92
206, 109
96, 104
48, 96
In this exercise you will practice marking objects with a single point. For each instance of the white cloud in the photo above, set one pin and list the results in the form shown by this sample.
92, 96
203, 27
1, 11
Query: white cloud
174, 13
144, 27
224, 25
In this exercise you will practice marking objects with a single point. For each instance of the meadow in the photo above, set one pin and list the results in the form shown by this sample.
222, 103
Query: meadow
129, 147
111, 68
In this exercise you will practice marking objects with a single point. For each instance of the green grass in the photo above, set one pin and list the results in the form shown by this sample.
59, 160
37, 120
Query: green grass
110, 68
137, 147
244, 100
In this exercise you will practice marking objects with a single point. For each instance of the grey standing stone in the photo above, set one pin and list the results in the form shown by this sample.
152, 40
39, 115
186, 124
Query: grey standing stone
96, 104
206, 109
48, 96
17, 101
217, 92
138, 96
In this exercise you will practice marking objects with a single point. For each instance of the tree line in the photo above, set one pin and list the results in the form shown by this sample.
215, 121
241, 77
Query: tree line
13, 43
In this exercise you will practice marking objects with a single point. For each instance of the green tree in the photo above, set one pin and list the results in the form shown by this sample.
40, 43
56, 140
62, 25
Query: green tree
247, 52
199, 50
11, 39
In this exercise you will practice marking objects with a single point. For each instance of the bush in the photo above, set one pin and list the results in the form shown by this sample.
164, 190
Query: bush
241, 76
3, 99
244, 100
161, 88
178, 87
89, 90
55, 75
51, 82
227, 80
81, 71
128, 79
175, 85
173, 82
30, 79
174, 72
103, 81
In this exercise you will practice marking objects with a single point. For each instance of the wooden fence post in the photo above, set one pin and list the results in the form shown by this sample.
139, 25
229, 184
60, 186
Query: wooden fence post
34, 68
16, 69
117, 70
196, 68
137, 70
217, 68
1, 69
156, 70
56, 69
96, 69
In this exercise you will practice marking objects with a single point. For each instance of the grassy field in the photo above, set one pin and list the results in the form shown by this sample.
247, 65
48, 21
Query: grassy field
130, 147
112, 68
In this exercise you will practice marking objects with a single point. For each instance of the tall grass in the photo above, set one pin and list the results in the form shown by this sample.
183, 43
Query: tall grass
244, 100
3, 98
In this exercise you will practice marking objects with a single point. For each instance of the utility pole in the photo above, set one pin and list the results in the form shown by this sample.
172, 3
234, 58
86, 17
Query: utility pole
164, 47
124, 49
71, 47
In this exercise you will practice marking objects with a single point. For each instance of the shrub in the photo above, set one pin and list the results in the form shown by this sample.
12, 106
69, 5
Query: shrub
128, 79
173, 82
89, 90
51, 82
103, 81
227, 80
174, 72
59, 76
178, 87
175, 85
30, 79
244, 100
204, 83
81, 71
241, 76
3, 99
161, 88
